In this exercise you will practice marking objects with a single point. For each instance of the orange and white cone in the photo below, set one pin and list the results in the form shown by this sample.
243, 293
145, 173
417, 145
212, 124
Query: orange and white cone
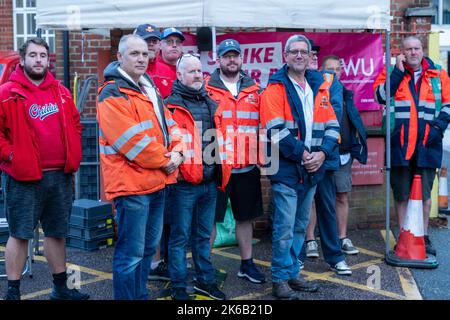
411, 243
443, 189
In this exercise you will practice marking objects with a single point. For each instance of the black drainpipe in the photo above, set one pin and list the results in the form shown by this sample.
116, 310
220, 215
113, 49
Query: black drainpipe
66, 59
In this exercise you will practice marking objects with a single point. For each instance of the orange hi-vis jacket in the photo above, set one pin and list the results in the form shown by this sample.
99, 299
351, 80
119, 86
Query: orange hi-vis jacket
240, 116
282, 117
133, 141
419, 125
192, 166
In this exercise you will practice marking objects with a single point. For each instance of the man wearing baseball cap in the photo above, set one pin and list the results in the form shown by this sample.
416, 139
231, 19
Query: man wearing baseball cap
238, 97
152, 36
171, 50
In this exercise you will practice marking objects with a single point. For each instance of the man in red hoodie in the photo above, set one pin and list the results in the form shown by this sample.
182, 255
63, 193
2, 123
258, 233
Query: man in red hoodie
40, 148
171, 50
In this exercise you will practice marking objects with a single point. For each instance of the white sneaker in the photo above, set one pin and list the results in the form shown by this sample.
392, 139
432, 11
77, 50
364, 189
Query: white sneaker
347, 247
312, 249
342, 268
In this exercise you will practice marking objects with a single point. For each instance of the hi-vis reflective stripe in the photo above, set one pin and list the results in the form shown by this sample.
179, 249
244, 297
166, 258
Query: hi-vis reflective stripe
176, 131
332, 133
171, 122
131, 132
402, 115
446, 109
247, 129
139, 147
381, 91
188, 153
328, 77
291, 125
187, 137
333, 123
427, 104
247, 115
100, 133
107, 150
223, 156
318, 126
243, 129
420, 114
280, 135
402, 103
274, 122
316, 142
227, 114
428, 117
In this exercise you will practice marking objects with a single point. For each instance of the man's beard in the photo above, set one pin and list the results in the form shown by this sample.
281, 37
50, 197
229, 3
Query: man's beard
196, 86
34, 75
230, 74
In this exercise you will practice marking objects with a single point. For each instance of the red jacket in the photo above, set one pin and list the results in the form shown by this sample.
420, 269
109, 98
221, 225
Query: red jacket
163, 75
16, 133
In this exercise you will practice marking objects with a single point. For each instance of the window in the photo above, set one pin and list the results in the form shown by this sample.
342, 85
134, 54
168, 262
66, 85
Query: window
24, 18
444, 10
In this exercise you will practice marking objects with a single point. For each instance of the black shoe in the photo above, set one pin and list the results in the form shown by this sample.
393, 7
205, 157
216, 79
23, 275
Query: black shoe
250, 272
12, 294
209, 289
300, 284
282, 290
180, 294
64, 293
429, 249
161, 272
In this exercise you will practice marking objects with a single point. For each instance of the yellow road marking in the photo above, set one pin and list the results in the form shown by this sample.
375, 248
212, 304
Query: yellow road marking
407, 281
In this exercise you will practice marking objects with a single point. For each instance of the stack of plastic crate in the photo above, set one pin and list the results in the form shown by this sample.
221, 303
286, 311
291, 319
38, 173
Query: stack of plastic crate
90, 225
88, 174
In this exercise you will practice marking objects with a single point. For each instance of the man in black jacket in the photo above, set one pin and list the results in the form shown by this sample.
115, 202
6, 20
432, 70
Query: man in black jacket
353, 146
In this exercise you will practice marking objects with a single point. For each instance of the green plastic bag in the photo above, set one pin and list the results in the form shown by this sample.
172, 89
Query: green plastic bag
226, 230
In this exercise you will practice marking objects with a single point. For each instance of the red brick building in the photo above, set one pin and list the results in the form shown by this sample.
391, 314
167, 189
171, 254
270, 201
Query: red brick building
90, 53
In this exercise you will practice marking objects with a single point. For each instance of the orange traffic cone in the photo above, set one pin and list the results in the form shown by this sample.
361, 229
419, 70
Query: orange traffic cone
411, 243
443, 189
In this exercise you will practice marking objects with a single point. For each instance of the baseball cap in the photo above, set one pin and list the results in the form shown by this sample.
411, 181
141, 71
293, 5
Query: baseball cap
314, 47
146, 31
172, 31
228, 45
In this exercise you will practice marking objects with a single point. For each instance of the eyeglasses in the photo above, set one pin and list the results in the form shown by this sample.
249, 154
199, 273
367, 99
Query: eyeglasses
172, 42
185, 56
153, 40
313, 54
295, 53
230, 56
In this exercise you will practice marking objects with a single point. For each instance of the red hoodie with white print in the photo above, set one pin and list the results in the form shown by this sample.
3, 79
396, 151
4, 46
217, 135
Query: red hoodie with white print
39, 127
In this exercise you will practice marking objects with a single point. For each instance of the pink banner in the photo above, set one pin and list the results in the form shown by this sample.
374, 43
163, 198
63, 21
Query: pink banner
361, 55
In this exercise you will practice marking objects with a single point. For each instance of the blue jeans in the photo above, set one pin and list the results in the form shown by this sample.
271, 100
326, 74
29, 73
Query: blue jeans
290, 220
192, 218
326, 219
139, 220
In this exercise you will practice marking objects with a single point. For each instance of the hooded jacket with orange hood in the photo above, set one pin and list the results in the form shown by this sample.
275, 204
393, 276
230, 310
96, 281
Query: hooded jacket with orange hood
20, 102
134, 136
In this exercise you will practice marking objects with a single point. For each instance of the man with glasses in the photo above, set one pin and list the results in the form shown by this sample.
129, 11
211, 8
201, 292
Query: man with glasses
171, 50
238, 97
152, 36
298, 112
314, 56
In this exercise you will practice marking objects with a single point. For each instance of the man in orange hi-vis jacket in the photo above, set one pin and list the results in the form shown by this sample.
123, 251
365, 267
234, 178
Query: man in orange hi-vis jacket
421, 106
139, 152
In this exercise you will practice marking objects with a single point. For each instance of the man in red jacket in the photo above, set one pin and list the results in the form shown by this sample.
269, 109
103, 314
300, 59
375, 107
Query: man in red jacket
40, 148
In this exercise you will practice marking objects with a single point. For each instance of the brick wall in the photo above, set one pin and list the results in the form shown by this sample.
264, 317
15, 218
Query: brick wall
6, 25
94, 45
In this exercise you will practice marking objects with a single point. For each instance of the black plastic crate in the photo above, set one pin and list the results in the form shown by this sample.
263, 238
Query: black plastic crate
90, 245
92, 233
80, 222
90, 209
